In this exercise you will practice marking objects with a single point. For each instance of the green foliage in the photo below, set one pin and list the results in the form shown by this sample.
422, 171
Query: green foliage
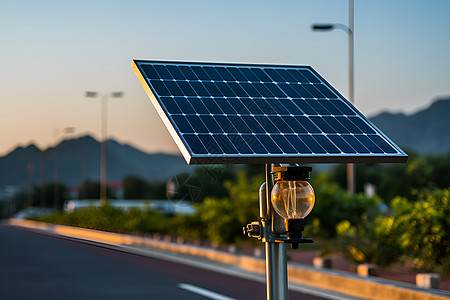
156, 190
189, 226
393, 180
211, 179
413, 226
204, 182
49, 195
415, 230
91, 190
135, 187
333, 205
218, 220
421, 227
224, 218
108, 218
369, 241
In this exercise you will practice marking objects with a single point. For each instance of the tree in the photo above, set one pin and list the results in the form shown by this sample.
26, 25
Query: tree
421, 227
222, 219
156, 190
134, 187
369, 241
333, 205
49, 195
416, 229
91, 190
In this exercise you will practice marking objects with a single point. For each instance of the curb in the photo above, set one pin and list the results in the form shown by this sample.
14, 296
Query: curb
338, 281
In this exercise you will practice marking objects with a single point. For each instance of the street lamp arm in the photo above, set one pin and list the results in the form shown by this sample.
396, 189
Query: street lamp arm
324, 27
331, 26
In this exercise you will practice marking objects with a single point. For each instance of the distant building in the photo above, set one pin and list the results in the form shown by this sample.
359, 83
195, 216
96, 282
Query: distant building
163, 206
117, 188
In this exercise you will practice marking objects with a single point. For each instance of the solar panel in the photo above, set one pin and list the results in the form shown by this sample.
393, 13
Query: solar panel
243, 113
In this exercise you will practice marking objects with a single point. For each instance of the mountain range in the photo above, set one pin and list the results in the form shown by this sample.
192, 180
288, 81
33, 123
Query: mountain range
426, 131
76, 160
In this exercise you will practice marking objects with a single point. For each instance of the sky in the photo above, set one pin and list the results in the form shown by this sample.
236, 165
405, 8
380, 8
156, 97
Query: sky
52, 52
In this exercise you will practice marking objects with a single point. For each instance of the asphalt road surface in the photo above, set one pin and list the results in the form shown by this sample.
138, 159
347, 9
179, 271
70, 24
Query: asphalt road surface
38, 266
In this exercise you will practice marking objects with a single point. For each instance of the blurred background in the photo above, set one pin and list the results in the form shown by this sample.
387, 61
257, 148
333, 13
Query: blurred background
53, 52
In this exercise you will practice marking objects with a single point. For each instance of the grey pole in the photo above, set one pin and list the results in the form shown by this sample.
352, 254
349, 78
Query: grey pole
282, 256
276, 257
351, 185
103, 151
104, 111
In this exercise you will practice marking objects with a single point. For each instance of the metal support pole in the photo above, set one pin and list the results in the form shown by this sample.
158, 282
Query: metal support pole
351, 186
351, 178
272, 274
56, 187
103, 152
282, 256
104, 137
276, 257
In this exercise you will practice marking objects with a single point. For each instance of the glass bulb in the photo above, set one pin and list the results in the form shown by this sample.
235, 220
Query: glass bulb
293, 199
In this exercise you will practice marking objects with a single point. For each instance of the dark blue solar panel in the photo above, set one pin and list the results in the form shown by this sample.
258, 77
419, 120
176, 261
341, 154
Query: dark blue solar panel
233, 113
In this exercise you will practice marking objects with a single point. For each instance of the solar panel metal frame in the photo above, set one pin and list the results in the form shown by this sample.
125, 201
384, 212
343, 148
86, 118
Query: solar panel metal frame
239, 158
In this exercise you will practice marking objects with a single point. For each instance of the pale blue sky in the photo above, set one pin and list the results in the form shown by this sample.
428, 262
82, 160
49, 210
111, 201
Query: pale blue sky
51, 52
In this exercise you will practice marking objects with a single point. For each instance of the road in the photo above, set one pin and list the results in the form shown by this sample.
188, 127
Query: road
38, 266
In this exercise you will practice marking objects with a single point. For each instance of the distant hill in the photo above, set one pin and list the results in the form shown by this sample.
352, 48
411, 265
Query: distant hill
78, 160
427, 131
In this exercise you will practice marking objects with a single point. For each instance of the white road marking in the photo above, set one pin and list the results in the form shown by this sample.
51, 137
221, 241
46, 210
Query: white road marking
203, 292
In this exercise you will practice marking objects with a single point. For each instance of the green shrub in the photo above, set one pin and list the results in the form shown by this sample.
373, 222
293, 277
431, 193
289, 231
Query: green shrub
416, 229
421, 227
108, 218
334, 205
224, 218
369, 241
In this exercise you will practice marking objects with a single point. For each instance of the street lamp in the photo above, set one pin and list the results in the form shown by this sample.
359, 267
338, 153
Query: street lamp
91, 94
282, 209
292, 197
351, 89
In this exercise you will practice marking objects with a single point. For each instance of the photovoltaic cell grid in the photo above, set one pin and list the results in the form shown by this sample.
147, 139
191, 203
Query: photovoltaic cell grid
235, 113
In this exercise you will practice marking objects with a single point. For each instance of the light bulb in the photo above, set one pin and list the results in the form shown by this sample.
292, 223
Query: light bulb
293, 199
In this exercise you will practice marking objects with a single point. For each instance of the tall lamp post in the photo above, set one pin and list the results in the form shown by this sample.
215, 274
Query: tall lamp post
56, 134
349, 29
105, 97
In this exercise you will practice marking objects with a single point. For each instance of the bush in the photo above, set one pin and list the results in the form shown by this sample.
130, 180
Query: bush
421, 227
415, 230
334, 205
224, 218
108, 218
369, 241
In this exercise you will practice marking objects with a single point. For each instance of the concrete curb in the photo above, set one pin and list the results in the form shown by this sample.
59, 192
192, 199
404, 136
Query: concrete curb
338, 281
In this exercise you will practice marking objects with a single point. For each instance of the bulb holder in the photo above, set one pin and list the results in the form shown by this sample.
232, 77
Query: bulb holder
291, 173
294, 227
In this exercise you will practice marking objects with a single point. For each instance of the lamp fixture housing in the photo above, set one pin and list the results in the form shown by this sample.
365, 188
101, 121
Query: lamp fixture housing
292, 196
